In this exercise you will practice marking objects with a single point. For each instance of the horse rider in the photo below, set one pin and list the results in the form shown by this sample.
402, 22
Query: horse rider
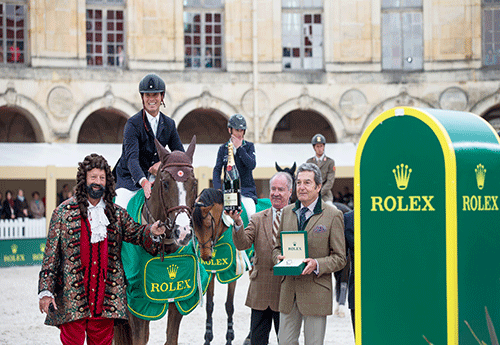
326, 165
82, 282
244, 156
139, 162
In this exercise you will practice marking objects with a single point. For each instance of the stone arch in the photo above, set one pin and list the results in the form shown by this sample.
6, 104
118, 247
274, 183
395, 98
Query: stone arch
483, 106
209, 126
304, 102
33, 112
206, 101
106, 102
403, 99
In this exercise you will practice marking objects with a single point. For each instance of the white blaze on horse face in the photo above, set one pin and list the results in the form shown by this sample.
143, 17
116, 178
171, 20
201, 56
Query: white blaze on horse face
182, 221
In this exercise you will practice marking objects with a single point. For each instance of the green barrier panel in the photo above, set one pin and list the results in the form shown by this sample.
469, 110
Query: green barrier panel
426, 238
20, 252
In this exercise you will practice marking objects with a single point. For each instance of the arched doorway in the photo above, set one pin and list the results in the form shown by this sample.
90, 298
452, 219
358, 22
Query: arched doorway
493, 117
16, 127
103, 126
209, 125
299, 126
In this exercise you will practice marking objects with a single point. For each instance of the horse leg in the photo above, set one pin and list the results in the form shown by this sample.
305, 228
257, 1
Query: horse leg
122, 334
230, 311
173, 324
209, 335
139, 330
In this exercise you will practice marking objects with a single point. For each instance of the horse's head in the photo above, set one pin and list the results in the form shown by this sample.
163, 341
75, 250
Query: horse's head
174, 192
290, 171
207, 220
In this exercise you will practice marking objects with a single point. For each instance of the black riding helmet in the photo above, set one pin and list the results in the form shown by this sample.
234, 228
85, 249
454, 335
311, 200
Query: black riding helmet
237, 121
152, 83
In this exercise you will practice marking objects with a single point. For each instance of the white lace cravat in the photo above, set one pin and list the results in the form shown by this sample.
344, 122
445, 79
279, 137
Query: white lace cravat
98, 221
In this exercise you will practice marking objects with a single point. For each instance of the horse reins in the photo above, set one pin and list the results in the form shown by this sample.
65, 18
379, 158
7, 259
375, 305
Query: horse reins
168, 223
212, 227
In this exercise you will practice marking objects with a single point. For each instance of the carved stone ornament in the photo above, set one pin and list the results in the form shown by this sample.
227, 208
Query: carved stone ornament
353, 103
60, 101
453, 98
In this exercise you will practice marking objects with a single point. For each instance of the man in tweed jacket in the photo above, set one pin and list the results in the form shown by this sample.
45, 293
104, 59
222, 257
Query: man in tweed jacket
264, 290
82, 282
308, 297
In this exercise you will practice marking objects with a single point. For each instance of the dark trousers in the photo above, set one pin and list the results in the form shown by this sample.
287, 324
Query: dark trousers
260, 325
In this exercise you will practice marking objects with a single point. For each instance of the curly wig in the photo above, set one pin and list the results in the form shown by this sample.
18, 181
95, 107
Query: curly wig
90, 162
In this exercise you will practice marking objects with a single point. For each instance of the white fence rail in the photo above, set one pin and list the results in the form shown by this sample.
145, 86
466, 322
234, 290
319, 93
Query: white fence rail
22, 228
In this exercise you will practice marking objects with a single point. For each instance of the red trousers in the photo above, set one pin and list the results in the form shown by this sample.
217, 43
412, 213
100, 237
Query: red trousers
99, 331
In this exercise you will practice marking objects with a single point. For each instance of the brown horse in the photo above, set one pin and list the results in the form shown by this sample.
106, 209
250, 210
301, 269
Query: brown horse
172, 197
208, 227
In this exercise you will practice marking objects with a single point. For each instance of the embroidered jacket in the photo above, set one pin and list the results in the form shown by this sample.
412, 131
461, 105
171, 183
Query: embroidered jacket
62, 270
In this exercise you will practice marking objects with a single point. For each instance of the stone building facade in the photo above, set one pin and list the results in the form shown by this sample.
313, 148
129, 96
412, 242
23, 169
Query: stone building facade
70, 69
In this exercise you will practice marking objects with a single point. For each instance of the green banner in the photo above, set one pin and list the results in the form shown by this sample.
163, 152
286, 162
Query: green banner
19, 252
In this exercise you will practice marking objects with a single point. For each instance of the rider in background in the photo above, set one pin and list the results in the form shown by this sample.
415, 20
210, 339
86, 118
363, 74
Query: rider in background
139, 162
244, 156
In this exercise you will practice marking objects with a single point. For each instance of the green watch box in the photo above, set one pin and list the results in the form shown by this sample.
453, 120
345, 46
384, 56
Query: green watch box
294, 249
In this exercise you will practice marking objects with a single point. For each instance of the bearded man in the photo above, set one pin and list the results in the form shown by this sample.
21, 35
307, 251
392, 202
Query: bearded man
82, 285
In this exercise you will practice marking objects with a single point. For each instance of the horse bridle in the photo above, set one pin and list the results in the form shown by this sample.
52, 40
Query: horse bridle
168, 223
212, 238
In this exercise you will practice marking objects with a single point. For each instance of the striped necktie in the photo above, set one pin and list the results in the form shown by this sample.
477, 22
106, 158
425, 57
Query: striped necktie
276, 225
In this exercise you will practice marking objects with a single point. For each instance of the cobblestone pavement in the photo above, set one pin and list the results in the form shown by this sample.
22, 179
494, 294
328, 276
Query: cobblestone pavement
22, 322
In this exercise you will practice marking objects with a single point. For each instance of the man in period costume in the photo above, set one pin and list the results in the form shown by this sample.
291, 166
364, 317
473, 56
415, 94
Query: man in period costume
264, 290
308, 297
139, 162
326, 165
82, 282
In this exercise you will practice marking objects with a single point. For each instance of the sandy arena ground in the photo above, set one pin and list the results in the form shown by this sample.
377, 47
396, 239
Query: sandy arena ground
22, 323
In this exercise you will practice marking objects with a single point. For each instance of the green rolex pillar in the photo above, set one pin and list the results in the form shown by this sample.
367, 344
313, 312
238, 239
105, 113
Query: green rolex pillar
427, 236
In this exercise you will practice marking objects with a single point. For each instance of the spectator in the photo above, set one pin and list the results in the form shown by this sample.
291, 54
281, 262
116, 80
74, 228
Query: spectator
63, 194
37, 209
8, 206
21, 205
1, 206
348, 197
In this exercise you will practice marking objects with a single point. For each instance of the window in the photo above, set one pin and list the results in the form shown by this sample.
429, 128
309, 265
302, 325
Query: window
203, 34
302, 34
491, 32
12, 33
105, 33
402, 36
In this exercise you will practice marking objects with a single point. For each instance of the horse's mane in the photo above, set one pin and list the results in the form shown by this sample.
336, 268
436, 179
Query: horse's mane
208, 197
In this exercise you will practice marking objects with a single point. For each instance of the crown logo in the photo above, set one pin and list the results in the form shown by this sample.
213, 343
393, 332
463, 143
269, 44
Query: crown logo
402, 176
213, 252
172, 271
480, 176
14, 248
42, 247
294, 244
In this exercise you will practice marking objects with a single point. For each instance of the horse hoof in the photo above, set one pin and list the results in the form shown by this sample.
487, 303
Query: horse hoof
247, 341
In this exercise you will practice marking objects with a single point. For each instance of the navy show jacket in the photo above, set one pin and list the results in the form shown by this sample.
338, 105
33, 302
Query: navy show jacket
139, 150
244, 158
